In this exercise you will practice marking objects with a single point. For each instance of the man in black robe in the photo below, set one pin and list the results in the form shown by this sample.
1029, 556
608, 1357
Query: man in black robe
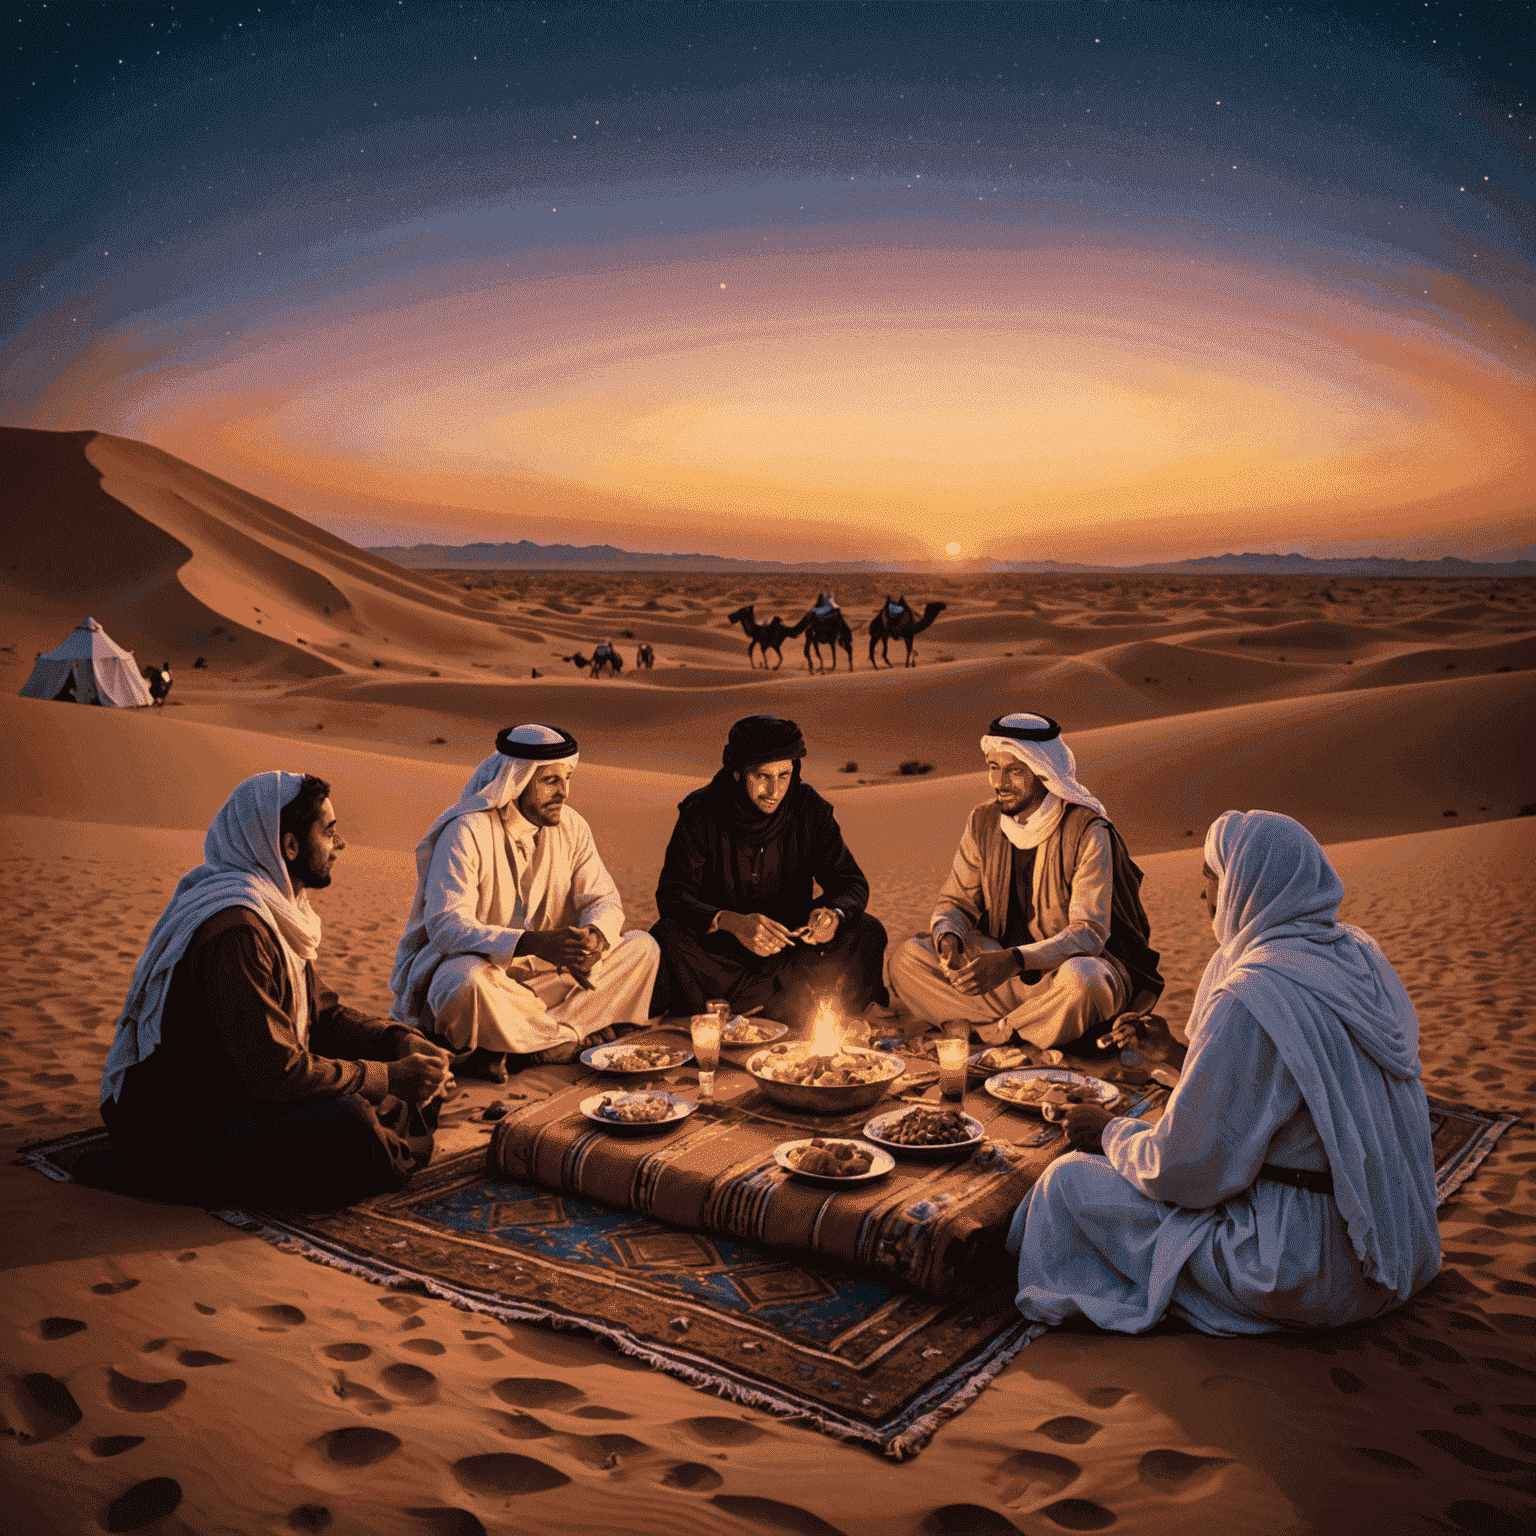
735, 894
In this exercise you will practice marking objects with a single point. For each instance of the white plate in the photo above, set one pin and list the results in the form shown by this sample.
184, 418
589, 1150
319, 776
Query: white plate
873, 1130
681, 1109
598, 1057
1108, 1095
882, 1164
775, 1032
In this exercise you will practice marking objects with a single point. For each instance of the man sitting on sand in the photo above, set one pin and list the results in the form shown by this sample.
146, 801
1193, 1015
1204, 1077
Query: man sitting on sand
514, 942
1039, 931
1290, 1182
236, 1074
735, 891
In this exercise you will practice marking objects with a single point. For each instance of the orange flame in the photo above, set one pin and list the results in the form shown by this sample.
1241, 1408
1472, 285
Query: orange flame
825, 1037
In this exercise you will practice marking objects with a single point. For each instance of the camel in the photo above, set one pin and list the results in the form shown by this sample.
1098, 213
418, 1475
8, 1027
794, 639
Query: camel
606, 656
159, 682
765, 637
896, 621
645, 656
824, 626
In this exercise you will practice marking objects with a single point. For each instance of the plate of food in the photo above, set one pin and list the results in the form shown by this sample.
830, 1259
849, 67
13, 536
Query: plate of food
833, 1160
741, 1031
922, 1045
643, 1110
636, 1058
1044, 1089
1010, 1058
925, 1131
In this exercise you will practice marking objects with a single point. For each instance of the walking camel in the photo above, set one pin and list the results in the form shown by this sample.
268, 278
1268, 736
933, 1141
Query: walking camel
766, 637
896, 621
825, 625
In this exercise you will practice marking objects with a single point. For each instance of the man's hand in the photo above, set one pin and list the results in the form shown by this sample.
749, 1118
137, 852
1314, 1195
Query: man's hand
597, 947
1085, 1127
822, 925
951, 951
570, 948
756, 932
989, 969
1151, 1036
418, 1077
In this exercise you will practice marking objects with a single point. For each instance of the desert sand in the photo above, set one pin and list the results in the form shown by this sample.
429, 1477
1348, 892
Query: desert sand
1393, 718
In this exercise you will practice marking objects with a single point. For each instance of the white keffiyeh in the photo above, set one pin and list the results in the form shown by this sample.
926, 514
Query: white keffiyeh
1053, 764
242, 867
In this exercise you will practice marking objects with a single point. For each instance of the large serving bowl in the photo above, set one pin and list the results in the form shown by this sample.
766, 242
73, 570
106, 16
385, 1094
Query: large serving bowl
829, 1100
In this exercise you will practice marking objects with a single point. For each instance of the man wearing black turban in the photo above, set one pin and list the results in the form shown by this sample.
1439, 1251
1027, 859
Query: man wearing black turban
735, 894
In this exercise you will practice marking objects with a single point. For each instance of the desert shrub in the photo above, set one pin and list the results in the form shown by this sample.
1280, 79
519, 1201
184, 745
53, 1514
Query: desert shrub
914, 766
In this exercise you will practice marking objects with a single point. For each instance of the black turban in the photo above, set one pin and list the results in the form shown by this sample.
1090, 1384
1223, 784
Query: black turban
1025, 727
536, 743
762, 739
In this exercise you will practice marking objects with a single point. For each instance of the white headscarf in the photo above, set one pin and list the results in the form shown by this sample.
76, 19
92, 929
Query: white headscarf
242, 867
496, 782
1343, 1024
1053, 764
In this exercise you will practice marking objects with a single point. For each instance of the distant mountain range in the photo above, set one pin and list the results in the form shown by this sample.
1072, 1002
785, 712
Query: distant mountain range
525, 555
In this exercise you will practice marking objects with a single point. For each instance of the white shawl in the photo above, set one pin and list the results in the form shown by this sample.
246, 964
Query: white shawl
242, 867
495, 783
1343, 1025
1054, 765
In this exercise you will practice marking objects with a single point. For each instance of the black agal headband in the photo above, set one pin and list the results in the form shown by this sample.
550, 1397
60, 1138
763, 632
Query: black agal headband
536, 743
1047, 732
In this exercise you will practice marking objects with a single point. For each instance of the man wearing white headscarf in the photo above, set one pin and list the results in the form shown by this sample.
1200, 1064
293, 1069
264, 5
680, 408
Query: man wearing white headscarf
514, 941
235, 1073
1039, 930
1290, 1182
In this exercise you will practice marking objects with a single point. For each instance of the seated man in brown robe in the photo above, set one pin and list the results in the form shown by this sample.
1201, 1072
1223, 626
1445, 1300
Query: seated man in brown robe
735, 896
236, 1074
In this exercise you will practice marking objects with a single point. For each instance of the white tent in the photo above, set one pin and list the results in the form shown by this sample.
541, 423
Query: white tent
100, 671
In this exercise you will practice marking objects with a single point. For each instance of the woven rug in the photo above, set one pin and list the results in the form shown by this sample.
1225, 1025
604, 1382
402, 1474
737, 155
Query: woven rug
837, 1349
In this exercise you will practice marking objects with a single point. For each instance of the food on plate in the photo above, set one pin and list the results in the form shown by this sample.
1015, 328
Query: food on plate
927, 1128
1007, 1058
831, 1159
635, 1109
1040, 1091
745, 1032
791, 1064
643, 1058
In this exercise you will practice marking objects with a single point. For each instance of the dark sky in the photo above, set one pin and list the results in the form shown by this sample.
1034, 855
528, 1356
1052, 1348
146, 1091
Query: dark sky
182, 174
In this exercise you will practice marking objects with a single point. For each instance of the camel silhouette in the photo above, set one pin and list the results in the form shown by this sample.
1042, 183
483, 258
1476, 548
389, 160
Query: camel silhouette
896, 621
606, 656
645, 656
824, 627
766, 637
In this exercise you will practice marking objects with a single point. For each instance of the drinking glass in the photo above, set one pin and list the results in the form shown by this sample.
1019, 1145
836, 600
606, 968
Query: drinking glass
952, 1067
705, 1029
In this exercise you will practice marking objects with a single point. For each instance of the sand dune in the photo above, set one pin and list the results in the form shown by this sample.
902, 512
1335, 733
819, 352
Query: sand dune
153, 1343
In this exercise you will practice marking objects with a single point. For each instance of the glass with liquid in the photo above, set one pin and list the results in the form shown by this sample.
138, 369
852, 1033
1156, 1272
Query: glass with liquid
952, 1067
705, 1029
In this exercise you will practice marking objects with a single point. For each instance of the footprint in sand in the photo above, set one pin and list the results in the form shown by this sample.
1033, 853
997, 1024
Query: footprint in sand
1028, 1476
966, 1520
692, 1477
412, 1383
1078, 1515
1103, 1397
1068, 1430
310, 1517
1388, 1461
113, 1287
277, 1318
401, 1306
710, 1430
603, 1451
47, 1406
519, 1426
135, 1396
142, 1505
774, 1515
500, 1473
1178, 1471
356, 1446
59, 1327
597, 1411
537, 1392
114, 1445
346, 1351
425, 1347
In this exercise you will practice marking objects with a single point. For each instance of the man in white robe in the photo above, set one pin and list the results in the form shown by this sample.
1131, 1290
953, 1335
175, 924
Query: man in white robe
1290, 1182
1039, 930
515, 939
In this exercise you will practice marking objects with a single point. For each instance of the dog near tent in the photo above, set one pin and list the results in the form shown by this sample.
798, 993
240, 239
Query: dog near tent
89, 668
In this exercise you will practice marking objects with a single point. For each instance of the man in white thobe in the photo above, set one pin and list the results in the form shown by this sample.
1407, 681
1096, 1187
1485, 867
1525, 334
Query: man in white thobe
515, 940
1290, 1183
